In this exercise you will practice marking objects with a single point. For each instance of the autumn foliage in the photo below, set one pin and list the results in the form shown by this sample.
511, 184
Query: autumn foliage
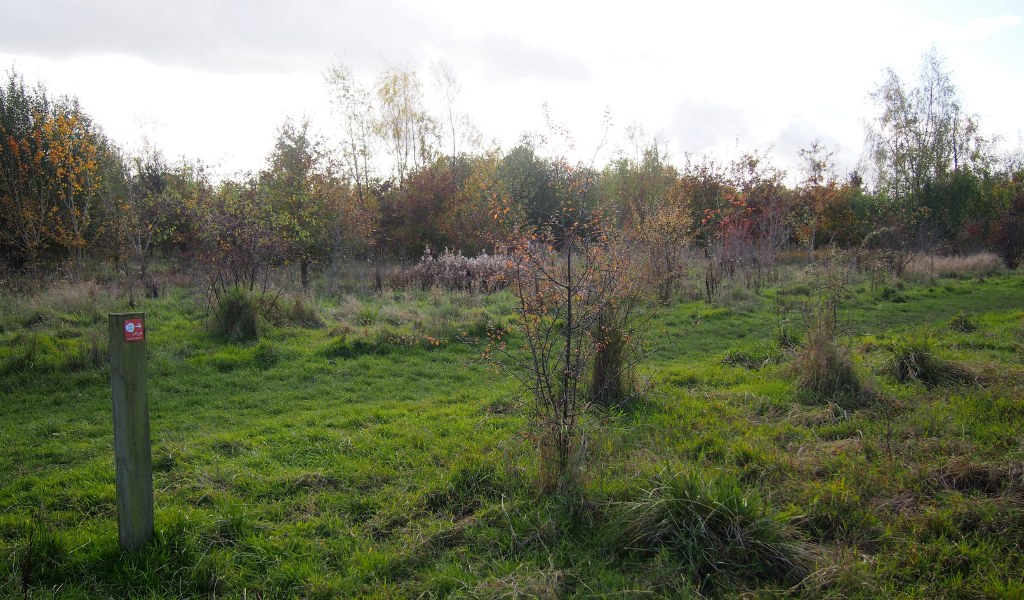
405, 180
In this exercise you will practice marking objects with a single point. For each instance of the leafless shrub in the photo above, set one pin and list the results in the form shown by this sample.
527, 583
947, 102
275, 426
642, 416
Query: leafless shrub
239, 239
892, 250
663, 236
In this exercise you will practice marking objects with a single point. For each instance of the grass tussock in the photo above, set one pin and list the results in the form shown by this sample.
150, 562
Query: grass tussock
961, 323
266, 355
913, 359
716, 528
240, 315
465, 488
237, 316
826, 371
611, 379
303, 313
968, 476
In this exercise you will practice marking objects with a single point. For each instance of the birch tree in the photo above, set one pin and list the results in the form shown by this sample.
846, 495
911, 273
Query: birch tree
921, 133
405, 126
354, 107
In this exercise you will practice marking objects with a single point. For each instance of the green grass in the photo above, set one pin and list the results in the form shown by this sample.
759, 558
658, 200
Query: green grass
374, 455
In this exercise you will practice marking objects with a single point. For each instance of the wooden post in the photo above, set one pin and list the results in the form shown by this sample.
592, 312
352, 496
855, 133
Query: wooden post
133, 459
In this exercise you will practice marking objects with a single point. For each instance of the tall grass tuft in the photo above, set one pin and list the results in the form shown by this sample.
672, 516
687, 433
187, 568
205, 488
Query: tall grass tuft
304, 314
716, 528
961, 323
464, 488
912, 359
611, 379
237, 316
825, 370
84, 354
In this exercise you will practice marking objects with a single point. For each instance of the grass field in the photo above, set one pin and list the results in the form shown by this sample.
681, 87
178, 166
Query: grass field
333, 461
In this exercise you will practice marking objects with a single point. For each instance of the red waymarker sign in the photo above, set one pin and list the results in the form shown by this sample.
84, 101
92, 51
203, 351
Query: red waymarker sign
133, 330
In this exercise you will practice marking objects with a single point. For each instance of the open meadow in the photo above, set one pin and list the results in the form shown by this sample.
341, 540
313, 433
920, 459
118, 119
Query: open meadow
362, 447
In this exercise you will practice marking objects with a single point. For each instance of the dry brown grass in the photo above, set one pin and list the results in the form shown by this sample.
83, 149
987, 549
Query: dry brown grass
966, 475
73, 298
960, 266
402, 314
810, 416
83, 303
525, 582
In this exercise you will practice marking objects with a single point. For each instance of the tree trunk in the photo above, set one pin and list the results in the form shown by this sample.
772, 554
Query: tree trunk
304, 273
810, 249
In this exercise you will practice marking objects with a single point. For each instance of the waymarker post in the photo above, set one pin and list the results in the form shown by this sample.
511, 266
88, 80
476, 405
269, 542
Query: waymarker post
133, 459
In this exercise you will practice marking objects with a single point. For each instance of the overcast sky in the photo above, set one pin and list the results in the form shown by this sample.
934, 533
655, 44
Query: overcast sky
214, 79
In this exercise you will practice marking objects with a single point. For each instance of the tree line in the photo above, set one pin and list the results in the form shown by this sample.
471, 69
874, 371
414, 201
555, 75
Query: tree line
409, 174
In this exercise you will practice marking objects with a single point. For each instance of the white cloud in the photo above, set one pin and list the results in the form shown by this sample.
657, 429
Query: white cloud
979, 28
226, 36
222, 74
798, 135
507, 58
700, 125
976, 29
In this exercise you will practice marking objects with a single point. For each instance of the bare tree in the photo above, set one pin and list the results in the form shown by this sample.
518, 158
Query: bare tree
449, 88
